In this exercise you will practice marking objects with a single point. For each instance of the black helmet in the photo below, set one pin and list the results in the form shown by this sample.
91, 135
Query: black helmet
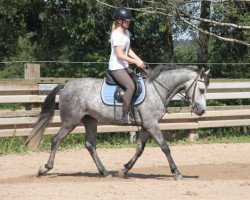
122, 13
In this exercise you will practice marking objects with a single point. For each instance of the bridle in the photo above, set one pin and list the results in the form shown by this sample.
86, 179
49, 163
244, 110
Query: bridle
183, 97
195, 82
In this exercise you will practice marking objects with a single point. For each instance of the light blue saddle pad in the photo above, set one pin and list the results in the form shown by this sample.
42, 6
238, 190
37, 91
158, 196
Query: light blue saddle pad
107, 94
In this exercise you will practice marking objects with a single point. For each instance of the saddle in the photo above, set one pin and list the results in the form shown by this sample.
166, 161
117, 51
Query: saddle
112, 93
120, 91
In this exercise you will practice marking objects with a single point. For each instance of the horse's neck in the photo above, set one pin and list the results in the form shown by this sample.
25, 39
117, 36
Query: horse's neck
174, 81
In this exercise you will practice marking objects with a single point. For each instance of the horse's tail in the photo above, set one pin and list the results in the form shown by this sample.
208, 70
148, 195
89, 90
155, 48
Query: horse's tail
44, 118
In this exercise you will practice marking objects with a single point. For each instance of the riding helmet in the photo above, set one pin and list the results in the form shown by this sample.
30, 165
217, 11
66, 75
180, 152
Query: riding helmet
122, 13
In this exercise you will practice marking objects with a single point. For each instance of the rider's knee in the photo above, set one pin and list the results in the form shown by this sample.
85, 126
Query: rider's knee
131, 86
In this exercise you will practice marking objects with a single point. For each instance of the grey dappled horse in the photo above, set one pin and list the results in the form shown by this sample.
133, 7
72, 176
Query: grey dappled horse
80, 101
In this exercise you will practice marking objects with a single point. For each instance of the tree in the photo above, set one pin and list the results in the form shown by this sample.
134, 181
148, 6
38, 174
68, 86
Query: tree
16, 37
55, 30
226, 23
62, 30
203, 41
180, 10
222, 52
149, 30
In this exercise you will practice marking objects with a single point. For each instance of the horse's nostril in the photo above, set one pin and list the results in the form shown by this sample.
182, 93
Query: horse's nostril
203, 112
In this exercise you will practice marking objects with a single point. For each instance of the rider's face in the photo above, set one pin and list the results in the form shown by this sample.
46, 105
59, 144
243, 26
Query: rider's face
125, 23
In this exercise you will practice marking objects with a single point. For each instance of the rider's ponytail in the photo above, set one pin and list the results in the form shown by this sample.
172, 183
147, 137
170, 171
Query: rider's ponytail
114, 26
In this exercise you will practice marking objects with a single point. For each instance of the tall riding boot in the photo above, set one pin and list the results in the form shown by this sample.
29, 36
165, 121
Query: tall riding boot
125, 113
125, 117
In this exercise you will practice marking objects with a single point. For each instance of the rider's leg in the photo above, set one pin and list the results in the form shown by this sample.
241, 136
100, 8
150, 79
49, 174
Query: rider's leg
123, 78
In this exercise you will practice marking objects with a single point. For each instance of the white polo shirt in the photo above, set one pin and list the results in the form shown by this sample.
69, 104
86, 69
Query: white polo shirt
119, 39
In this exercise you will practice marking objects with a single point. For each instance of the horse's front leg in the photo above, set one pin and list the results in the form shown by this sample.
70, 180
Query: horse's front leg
143, 138
156, 133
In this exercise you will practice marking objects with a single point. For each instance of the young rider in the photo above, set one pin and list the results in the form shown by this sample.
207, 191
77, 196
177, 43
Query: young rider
121, 56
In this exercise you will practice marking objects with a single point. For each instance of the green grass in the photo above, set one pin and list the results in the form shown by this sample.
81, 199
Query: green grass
120, 140
73, 141
12, 106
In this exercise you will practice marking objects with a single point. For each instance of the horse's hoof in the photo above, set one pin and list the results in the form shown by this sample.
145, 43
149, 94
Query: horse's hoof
109, 176
178, 177
106, 174
42, 170
121, 174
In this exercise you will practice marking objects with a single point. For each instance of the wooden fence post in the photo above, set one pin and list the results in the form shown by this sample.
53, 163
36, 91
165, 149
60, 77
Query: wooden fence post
132, 137
245, 131
193, 135
31, 72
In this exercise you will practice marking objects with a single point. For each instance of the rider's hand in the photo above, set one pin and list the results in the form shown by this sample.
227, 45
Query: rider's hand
140, 64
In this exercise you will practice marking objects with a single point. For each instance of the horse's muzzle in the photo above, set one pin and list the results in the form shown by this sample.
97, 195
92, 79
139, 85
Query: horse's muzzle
202, 112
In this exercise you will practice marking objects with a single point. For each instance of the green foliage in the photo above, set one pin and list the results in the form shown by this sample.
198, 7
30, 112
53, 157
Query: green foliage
226, 135
213, 135
25, 51
12, 145
222, 52
148, 32
185, 52
54, 30
120, 140
214, 103
12, 106
107, 140
80, 30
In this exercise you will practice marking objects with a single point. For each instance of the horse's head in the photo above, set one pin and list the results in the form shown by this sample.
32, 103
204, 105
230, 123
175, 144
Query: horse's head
195, 90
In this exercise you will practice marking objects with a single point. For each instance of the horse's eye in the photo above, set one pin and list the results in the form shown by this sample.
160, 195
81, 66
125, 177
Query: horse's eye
202, 90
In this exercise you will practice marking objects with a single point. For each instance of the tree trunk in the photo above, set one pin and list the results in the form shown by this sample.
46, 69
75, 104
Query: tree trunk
202, 51
169, 48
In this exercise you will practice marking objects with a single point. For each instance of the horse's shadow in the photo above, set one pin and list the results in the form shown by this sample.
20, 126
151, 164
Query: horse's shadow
130, 175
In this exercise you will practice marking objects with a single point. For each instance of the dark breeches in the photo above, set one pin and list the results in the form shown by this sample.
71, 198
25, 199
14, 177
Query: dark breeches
123, 78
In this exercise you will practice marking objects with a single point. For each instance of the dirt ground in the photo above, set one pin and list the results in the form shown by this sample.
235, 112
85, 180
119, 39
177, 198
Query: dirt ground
216, 171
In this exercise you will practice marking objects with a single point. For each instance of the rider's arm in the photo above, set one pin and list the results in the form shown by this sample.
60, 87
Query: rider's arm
132, 54
120, 55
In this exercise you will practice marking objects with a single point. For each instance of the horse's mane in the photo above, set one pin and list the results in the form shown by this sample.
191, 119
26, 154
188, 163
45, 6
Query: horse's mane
153, 74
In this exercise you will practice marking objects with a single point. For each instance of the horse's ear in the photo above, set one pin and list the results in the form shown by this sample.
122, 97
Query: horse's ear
207, 72
202, 72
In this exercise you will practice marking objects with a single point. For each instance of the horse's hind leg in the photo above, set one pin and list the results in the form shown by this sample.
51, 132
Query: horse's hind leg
143, 138
56, 141
91, 128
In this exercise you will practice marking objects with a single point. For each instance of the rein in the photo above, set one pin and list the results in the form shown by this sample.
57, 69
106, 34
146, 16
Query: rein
183, 97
